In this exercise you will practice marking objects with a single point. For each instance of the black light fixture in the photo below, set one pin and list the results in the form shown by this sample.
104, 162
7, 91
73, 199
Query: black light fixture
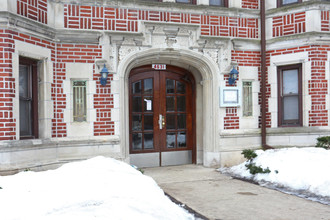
104, 75
233, 75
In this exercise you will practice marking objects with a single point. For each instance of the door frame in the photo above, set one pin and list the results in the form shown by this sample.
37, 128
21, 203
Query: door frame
188, 76
33, 69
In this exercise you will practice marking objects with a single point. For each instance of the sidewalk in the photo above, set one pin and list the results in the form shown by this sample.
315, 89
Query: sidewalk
217, 196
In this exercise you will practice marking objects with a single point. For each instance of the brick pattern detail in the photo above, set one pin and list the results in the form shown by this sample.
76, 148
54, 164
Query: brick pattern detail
318, 85
61, 54
7, 82
325, 20
253, 58
103, 103
116, 19
231, 120
251, 4
7, 87
103, 99
289, 24
33, 9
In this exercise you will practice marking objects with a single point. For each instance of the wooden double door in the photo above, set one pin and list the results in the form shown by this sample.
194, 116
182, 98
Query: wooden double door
162, 117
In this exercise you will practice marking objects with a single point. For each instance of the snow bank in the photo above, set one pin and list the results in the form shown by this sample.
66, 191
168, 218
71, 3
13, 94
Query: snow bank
304, 169
99, 188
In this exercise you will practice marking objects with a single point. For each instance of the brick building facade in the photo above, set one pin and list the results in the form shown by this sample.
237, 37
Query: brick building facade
182, 109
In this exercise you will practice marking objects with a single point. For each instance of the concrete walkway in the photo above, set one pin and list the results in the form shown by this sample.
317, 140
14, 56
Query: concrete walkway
217, 196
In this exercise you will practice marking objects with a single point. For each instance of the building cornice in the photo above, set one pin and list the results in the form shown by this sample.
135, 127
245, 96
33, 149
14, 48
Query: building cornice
19, 23
166, 6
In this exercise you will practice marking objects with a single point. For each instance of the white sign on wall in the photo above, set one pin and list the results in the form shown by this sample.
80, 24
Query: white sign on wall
230, 97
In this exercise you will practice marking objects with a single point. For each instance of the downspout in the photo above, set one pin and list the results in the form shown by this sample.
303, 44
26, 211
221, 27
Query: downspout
263, 75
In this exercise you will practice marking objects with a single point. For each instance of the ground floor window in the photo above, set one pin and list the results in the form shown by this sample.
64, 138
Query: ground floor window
79, 101
290, 95
247, 99
28, 98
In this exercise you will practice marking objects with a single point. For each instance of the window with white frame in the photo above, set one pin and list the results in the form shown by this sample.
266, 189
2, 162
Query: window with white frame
247, 99
79, 100
290, 95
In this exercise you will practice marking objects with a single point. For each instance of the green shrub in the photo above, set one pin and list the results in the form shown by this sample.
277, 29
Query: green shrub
256, 169
250, 155
323, 142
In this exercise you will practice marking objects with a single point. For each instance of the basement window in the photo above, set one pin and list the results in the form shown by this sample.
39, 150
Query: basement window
79, 101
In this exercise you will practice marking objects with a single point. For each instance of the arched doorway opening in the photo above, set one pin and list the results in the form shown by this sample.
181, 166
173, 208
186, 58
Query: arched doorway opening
162, 116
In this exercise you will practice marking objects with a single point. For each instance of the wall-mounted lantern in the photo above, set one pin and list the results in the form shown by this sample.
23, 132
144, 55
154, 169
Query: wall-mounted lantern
233, 75
104, 75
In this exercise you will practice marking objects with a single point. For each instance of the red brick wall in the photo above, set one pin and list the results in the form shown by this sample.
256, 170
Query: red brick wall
7, 91
289, 24
61, 54
103, 103
251, 4
244, 58
325, 20
7, 82
33, 9
318, 85
231, 120
103, 99
115, 19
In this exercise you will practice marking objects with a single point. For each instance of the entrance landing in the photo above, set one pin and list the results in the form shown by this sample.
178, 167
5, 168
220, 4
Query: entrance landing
217, 196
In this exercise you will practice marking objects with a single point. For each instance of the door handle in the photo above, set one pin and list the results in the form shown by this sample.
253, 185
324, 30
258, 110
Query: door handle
161, 121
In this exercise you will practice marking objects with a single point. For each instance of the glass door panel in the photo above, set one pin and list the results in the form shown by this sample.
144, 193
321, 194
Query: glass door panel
176, 120
25, 100
142, 114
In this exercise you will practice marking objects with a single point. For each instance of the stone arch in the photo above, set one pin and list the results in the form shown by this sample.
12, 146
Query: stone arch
206, 73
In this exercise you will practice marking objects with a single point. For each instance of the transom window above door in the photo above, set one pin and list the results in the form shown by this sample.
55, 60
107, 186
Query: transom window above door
287, 2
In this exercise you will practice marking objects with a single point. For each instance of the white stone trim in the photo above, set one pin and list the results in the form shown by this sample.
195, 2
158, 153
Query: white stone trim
8, 5
282, 60
269, 4
45, 75
249, 73
203, 68
79, 71
313, 20
234, 3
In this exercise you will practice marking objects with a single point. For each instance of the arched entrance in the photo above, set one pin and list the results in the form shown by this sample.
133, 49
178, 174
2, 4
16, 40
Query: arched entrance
161, 116
205, 73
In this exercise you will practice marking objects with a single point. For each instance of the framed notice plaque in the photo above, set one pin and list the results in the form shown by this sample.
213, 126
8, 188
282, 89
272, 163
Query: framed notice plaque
230, 97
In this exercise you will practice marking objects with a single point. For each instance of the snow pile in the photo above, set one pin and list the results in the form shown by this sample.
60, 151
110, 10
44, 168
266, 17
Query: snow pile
300, 169
99, 188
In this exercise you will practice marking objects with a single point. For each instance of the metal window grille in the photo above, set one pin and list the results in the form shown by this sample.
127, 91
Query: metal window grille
79, 101
247, 98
